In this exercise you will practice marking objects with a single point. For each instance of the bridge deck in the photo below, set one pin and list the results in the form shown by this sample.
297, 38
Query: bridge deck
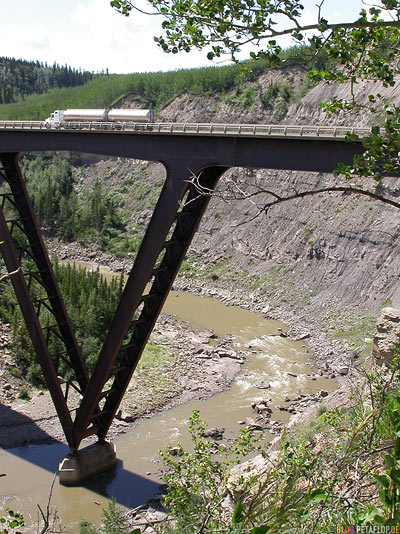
251, 130
186, 150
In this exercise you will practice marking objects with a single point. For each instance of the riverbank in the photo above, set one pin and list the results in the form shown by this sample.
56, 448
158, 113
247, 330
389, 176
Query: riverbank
192, 365
327, 353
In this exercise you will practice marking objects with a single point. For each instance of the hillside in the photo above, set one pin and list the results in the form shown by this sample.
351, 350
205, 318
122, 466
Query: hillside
325, 263
19, 78
330, 259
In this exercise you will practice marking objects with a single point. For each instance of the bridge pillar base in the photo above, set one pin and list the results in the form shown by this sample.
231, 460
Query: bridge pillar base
86, 463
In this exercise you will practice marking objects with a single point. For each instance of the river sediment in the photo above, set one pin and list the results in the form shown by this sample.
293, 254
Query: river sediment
300, 324
201, 364
180, 377
35, 420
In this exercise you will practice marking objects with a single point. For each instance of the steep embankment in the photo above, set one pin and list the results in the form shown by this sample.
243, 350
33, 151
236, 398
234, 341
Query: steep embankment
332, 259
326, 262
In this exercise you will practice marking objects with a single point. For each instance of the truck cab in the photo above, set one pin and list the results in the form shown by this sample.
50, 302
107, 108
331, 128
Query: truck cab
55, 119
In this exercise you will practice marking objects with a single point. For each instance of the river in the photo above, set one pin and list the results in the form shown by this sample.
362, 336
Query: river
269, 358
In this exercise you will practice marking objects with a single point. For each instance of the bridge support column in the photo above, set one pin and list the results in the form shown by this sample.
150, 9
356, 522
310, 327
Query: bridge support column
86, 463
174, 222
175, 219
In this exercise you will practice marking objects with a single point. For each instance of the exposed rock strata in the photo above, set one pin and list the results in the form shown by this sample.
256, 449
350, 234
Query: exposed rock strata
387, 336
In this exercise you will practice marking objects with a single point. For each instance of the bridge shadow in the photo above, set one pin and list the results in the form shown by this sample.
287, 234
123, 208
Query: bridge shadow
44, 452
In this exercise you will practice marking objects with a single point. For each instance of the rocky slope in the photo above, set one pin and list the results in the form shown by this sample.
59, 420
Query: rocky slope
331, 260
324, 264
323, 257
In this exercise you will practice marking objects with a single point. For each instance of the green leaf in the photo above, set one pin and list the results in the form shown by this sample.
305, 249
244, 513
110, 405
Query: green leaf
318, 495
237, 513
389, 461
384, 497
260, 530
382, 480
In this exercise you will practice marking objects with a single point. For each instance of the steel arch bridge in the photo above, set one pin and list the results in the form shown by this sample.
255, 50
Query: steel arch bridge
186, 150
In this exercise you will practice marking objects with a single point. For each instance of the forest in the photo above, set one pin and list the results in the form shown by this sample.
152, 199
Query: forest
88, 216
58, 208
20, 78
152, 89
90, 301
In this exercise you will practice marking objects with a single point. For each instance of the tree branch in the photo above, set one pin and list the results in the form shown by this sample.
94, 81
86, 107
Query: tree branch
8, 275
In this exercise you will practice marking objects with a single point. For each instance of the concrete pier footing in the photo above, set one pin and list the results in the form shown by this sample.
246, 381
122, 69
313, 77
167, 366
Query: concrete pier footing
86, 463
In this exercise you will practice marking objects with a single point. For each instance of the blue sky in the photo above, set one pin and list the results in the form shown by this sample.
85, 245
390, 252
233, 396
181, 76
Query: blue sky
90, 35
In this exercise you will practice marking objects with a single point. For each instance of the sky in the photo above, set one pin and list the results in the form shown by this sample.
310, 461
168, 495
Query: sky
89, 34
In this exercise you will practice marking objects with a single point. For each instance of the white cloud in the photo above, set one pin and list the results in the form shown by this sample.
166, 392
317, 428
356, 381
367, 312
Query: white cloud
89, 34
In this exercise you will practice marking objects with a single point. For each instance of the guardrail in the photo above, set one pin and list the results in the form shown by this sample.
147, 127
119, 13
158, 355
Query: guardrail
248, 130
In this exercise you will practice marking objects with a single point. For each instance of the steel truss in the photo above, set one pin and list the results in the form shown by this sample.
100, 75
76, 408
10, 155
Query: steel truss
173, 224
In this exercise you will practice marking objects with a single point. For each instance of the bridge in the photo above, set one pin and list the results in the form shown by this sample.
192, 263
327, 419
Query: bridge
204, 151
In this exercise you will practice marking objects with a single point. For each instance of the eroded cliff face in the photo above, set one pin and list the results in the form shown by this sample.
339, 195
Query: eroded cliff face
324, 252
315, 253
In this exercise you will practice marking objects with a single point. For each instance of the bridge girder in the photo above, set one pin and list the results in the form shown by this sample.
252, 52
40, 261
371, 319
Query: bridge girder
171, 229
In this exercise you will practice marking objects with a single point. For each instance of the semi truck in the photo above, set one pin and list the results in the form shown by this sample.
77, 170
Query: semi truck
110, 118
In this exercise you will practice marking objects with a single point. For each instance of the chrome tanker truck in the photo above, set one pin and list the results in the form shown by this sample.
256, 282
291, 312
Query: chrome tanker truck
103, 118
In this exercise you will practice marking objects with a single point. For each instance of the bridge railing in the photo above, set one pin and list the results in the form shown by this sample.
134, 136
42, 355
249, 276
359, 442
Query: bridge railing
256, 130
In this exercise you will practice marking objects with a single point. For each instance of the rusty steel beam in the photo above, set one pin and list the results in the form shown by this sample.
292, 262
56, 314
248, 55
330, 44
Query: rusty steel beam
90, 419
174, 250
192, 151
45, 275
35, 331
139, 330
142, 271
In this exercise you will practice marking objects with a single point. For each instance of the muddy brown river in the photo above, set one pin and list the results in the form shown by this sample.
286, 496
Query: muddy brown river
269, 358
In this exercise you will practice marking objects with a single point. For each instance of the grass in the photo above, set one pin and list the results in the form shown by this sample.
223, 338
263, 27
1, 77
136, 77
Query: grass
155, 373
152, 356
23, 393
355, 331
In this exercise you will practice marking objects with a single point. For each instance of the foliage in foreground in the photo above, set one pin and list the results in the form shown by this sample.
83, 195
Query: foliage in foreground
113, 522
11, 522
344, 469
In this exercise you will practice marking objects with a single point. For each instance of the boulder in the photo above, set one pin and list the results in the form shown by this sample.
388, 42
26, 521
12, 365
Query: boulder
387, 335
262, 385
125, 416
307, 335
175, 451
252, 425
214, 433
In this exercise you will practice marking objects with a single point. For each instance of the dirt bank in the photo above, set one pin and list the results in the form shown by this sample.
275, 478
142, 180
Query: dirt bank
323, 349
191, 367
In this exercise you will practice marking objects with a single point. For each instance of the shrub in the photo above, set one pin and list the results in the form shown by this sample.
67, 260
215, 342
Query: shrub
23, 393
342, 468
